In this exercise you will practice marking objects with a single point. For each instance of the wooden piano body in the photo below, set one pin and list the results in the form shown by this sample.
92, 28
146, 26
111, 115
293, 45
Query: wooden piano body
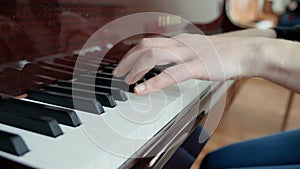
37, 44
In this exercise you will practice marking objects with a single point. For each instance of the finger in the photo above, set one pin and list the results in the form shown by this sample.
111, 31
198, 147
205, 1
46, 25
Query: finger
157, 56
143, 64
148, 43
126, 64
167, 78
138, 76
144, 44
154, 56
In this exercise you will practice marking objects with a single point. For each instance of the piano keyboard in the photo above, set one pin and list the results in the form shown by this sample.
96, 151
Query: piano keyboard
46, 129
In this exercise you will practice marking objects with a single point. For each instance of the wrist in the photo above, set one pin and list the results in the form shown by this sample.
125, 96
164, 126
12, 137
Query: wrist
268, 58
279, 62
267, 33
258, 61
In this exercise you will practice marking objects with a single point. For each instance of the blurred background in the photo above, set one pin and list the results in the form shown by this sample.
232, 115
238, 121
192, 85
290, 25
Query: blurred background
263, 13
259, 107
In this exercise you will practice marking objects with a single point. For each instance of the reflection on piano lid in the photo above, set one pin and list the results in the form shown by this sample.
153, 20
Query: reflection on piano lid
56, 114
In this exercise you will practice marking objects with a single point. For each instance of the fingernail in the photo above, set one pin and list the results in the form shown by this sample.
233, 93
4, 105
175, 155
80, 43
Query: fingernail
127, 79
140, 88
115, 71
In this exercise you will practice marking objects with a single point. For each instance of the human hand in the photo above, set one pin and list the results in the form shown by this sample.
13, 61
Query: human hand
196, 57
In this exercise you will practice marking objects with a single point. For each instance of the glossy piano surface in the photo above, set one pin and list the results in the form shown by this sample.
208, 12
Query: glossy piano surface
61, 106
32, 29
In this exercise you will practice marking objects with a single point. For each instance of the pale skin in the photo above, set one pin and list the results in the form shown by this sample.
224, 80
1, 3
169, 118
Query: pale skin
235, 55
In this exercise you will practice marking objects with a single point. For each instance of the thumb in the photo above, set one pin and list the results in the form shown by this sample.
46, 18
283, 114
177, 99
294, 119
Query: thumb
166, 78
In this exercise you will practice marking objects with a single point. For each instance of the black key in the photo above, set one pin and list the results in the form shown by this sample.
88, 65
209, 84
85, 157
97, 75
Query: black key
117, 83
87, 62
78, 63
108, 69
57, 66
141, 81
96, 62
45, 79
12, 143
10, 164
104, 98
90, 59
156, 70
47, 71
63, 116
105, 74
115, 65
101, 74
161, 68
64, 62
150, 75
111, 61
103, 81
38, 124
62, 67
104, 63
66, 100
117, 93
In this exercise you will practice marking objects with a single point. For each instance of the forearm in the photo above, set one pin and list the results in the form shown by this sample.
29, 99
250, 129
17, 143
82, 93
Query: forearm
274, 59
280, 62
267, 33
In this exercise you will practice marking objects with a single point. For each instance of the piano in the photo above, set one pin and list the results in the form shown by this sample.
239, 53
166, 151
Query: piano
60, 105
